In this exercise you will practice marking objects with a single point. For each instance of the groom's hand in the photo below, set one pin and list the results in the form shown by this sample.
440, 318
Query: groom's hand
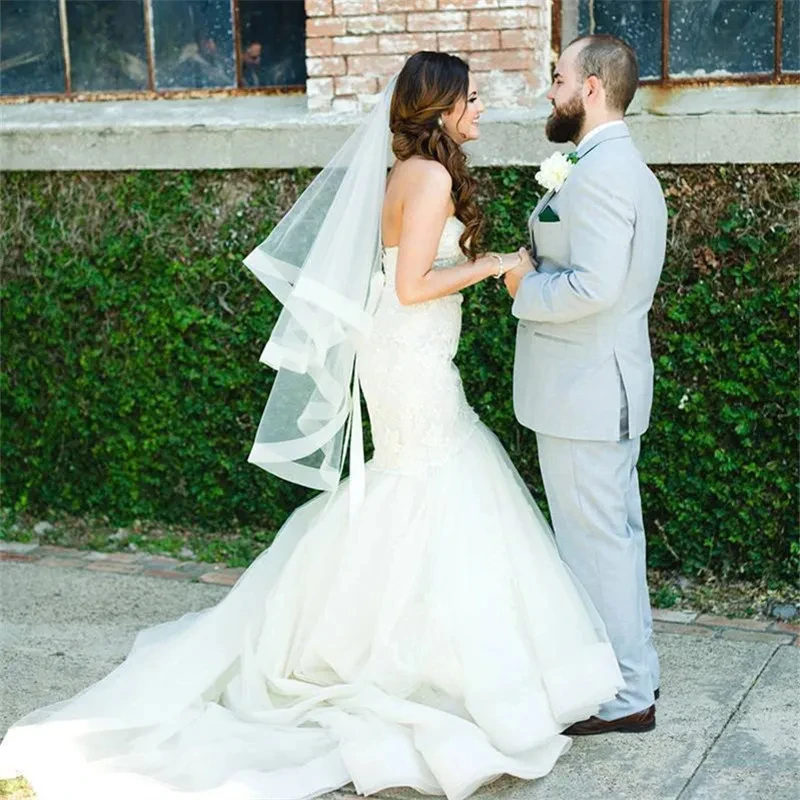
514, 277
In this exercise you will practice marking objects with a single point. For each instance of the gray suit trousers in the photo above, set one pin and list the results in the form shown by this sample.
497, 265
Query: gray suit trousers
593, 494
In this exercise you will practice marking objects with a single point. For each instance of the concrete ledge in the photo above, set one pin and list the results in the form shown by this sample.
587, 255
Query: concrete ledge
751, 124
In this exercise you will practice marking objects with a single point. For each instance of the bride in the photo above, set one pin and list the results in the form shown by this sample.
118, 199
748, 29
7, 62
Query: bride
413, 626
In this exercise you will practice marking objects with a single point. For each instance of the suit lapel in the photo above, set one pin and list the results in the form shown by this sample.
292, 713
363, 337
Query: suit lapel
607, 135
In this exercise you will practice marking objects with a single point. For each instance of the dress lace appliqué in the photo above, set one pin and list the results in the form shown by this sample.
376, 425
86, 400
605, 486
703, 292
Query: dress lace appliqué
418, 411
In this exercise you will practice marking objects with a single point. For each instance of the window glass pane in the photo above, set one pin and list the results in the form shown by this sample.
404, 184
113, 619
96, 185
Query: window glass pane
718, 37
106, 45
638, 22
272, 42
31, 60
193, 44
791, 36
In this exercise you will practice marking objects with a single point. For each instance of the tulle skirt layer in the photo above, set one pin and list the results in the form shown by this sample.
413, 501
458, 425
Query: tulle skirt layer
435, 641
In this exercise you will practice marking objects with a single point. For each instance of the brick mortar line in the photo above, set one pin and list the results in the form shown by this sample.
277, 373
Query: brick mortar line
169, 568
727, 722
691, 619
120, 563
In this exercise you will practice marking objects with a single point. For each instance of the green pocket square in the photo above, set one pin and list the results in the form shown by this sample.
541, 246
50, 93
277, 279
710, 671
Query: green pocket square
548, 215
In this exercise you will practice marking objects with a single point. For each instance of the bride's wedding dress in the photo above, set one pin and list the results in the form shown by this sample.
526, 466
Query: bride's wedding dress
434, 641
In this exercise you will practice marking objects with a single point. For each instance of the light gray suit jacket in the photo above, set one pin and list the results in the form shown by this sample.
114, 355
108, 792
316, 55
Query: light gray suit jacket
583, 332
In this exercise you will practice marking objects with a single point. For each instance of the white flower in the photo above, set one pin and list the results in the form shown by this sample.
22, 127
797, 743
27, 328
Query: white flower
554, 171
683, 401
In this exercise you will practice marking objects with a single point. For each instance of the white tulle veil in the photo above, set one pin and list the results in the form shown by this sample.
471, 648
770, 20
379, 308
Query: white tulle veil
322, 262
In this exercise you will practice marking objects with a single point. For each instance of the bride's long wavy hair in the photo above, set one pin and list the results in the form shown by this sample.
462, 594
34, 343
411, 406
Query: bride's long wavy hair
429, 85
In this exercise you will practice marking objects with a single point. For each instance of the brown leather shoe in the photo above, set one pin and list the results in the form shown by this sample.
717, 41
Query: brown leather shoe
634, 723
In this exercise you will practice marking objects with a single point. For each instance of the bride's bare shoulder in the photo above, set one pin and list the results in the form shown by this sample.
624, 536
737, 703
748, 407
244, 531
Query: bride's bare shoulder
423, 174
419, 184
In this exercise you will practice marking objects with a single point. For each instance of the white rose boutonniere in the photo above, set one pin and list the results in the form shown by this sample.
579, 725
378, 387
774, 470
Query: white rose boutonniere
555, 170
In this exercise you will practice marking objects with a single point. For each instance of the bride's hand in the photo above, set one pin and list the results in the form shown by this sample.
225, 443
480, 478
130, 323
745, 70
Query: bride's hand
514, 277
526, 262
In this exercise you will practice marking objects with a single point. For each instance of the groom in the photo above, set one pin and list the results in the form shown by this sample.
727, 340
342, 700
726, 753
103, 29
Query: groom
583, 375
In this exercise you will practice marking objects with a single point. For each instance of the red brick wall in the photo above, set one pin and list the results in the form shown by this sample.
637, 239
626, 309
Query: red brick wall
354, 46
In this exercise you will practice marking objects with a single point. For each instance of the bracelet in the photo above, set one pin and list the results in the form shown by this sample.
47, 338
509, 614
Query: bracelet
501, 267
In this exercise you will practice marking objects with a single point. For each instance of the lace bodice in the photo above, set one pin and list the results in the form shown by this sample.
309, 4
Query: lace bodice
417, 408
448, 254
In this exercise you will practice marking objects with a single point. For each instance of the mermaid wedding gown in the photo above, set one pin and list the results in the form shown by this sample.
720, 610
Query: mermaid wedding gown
435, 641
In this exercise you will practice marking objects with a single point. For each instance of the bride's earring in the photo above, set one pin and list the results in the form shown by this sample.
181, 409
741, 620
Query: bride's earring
440, 123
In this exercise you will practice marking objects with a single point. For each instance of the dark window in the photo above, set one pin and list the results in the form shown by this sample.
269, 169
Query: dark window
641, 22
790, 40
131, 46
31, 57
272, 42
106, 45
729, 36
678, 40
193, 44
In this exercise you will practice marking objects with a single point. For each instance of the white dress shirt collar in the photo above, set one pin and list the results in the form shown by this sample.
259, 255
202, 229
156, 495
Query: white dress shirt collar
595, 131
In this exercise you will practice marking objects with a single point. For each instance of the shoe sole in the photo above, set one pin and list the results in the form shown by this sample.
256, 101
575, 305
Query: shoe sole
639, 727
633, 727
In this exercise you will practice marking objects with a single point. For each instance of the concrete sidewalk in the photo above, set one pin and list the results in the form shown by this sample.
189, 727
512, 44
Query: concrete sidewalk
728, 719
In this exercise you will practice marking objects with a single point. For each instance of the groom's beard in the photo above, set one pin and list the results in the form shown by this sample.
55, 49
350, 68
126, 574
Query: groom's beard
564, 124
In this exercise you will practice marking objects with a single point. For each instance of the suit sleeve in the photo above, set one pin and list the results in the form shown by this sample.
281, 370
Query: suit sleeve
601, 226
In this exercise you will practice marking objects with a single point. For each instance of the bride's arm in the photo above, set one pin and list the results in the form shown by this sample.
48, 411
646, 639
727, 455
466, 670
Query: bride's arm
425, 212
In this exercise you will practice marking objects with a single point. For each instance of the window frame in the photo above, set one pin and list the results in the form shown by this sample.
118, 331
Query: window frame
151, 93
776, 77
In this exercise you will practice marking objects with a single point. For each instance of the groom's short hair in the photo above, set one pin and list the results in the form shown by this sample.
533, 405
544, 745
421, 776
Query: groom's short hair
614, 62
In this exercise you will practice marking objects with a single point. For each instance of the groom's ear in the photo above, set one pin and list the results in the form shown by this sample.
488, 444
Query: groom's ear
594, 89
